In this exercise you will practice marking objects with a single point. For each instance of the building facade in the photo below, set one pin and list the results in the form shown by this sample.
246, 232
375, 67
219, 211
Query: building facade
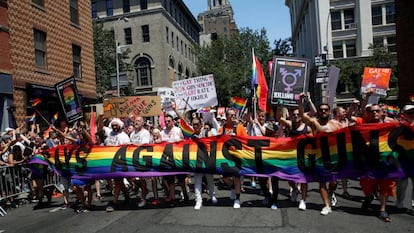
341, 29
217, 20
46, 42
161, 36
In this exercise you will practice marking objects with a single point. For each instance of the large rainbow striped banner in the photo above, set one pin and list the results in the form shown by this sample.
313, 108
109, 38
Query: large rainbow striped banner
371, 150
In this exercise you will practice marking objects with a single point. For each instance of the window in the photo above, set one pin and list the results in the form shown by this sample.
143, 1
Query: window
39, 2
172, 39
389, 13
144, 4
143, 72
94, 10
145, 33
167, 35
376, 13
109, 7
128, 35
182, 47
392, 44
350, 48
126, 6
76, 54
336, 20
378, 42
178, 45
180, 72
338, 51
40, 48
74, 14
349, 19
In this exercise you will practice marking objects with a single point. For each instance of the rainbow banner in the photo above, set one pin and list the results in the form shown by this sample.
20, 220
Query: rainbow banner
371, 150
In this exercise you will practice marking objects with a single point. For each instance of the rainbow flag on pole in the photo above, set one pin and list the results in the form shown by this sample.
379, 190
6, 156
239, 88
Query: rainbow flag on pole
187, 130
31, 118
55, 117
36, 102
238, 102
259, 82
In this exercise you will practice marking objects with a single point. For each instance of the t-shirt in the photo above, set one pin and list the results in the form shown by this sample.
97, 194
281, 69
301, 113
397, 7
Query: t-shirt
239, 130
173, 135
140, 137
116, 139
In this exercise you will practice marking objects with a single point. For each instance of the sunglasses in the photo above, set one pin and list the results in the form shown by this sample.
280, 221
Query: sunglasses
295, 114
232, 115
324, 109
167, 121
196, 124
375, 110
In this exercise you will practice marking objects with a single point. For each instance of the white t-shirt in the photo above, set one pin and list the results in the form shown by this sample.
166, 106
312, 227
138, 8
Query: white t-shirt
116, 139
173, 135
141, 137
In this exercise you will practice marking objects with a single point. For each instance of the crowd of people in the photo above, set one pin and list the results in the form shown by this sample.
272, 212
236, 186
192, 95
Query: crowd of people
17, 147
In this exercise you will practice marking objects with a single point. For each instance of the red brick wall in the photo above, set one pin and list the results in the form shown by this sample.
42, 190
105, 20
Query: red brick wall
5, 63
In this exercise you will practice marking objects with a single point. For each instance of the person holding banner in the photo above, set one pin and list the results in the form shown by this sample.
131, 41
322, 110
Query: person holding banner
295, 127
232, 127
116, 137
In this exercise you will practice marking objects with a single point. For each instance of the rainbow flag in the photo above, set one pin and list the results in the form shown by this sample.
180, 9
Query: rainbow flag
392, 110
54, 118
259, 83
188, 131
31, 118
36, 102
238, 102
46, 133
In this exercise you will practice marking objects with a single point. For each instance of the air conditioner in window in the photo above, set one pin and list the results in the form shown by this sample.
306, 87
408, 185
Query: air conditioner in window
350, 25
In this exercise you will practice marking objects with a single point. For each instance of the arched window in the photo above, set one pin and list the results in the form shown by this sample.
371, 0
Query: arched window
187, 73
143, 71
180, 72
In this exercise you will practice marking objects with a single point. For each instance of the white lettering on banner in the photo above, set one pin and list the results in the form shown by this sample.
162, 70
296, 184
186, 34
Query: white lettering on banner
282, 95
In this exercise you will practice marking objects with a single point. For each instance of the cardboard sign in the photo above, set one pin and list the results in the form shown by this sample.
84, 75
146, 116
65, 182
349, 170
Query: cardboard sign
69, 99
195, 93
132, 105
376, 79
290, 78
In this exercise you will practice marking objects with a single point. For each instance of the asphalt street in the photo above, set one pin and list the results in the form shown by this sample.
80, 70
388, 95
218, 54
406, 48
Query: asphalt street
181, 217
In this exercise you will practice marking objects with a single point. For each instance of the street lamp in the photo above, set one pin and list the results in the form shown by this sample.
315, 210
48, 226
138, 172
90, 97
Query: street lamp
326, 47
118, 51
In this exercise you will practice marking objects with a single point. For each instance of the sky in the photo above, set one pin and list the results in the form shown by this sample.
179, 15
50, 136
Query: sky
273, 15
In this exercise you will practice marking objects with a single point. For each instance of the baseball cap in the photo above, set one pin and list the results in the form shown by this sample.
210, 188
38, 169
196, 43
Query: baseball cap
408, 107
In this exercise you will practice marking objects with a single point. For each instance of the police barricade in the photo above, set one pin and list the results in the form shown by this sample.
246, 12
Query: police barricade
16, 180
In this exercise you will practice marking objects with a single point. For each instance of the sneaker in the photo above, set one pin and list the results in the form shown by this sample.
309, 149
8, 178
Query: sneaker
142, 203
64, 206
253, 184
214, 200
302, 205
198, 205
236, 204
232, 194
273, 207
294, 196
110, 207
81, 210
333, 200
326, 211
346, 195
265, 201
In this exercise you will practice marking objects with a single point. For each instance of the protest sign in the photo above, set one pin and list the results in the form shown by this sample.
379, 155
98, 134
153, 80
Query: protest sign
290, 78
376, 79
194, 93
136, 105
69, 99
167, 98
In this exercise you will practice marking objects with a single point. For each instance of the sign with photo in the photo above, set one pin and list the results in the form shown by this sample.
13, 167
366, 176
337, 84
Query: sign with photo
143, 106
290, 78
376, 79
167, 98
195, 93
69, 99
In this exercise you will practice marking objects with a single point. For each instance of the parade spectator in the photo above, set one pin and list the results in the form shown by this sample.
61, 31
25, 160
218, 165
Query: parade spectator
155, 138
232, 127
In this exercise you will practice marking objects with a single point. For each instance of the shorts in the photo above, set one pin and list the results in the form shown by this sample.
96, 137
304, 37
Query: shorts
385, 187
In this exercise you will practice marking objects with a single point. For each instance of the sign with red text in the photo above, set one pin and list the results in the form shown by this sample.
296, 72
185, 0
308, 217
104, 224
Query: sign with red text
195, 93
376, 79
132, 105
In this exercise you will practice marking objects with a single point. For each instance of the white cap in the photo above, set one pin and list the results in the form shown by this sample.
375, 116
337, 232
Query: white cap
116, 121
408, 107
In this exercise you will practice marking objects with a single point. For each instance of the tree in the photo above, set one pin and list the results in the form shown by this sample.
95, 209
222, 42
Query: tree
282, 47
105, 63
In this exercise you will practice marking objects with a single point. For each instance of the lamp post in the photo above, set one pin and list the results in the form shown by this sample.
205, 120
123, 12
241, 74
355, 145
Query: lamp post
118, 51
326, 47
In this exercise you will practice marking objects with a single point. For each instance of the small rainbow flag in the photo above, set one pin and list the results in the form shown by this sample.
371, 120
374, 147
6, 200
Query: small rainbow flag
36, 102
203, 110
46, 133
188, 131
392, 110
31, 118
54, 118
238, 102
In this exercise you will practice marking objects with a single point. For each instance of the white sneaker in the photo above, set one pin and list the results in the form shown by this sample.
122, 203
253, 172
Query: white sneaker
273, 207
302, 205
326, 210
198, 205
142, 203
236, 204
232, 194
333, 199
214, 199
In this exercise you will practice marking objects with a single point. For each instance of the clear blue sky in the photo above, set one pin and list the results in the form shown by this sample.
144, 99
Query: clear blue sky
270, 14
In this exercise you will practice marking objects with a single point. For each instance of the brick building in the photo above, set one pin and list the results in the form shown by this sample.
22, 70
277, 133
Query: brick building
49, 41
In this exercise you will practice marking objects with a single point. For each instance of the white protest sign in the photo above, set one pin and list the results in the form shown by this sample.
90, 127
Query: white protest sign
194, 93
167, 98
